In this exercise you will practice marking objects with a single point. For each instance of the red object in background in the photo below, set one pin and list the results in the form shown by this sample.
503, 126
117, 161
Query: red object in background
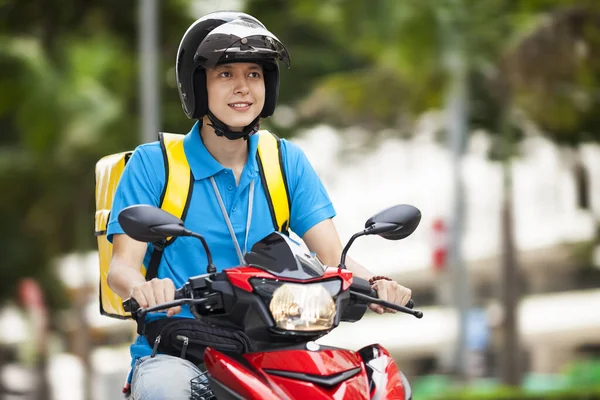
439, 255
32, 300
30, 294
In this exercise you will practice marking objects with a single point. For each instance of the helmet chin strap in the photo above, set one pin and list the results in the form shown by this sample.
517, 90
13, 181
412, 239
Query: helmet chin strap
223, 130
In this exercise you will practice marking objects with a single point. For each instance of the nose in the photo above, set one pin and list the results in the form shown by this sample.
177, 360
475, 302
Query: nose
241, 86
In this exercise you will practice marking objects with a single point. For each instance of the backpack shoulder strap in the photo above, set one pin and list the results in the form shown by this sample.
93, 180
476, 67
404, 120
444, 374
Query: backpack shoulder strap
272, 172
177, 192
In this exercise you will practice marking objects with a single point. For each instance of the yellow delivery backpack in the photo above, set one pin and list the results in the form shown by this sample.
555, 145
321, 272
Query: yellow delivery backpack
175, 199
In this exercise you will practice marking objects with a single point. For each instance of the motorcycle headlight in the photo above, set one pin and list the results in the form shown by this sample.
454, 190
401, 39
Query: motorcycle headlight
300, 307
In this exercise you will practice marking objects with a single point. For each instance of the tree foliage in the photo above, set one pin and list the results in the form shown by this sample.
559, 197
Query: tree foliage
68, 73
555, 71
540, 56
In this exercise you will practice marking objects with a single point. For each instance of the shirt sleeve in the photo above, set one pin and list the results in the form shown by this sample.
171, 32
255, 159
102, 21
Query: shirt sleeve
141, 183
310, 202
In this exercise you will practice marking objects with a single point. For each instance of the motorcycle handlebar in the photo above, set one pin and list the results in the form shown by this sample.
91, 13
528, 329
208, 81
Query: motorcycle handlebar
410, 304
405, 309
131, 305
362, 290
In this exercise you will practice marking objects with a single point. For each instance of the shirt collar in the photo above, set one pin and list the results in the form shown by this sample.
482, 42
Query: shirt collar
203, 164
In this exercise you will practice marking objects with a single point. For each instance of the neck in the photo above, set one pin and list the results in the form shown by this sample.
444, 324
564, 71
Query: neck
229, 153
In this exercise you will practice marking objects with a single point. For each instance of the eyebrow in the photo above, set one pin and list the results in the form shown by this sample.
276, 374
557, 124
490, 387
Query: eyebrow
229, 66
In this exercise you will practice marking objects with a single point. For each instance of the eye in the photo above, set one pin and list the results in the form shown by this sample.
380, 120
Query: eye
254, 74
225, 74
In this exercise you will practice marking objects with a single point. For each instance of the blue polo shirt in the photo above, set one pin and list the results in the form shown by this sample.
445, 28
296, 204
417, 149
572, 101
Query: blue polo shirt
143, 180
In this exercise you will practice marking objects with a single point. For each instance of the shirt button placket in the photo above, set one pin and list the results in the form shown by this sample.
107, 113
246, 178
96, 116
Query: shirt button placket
232, 196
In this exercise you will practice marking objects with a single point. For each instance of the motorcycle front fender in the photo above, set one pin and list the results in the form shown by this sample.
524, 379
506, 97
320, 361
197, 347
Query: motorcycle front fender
386, 381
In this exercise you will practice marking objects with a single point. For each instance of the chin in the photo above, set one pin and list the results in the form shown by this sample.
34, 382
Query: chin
239, 125
239, 122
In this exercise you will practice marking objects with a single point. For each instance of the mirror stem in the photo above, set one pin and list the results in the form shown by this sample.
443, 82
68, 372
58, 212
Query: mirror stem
345, 251
210, 268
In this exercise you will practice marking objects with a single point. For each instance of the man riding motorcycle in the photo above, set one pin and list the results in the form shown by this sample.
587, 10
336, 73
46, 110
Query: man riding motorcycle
228, 79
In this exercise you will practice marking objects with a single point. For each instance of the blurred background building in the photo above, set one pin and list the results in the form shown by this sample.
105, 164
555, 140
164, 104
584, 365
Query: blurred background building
484, 115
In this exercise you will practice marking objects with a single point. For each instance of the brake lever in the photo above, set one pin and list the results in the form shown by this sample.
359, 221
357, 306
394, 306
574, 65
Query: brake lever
374, 300
139, 312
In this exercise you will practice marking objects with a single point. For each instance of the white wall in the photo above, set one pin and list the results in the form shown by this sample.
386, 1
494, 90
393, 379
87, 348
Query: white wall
417, 171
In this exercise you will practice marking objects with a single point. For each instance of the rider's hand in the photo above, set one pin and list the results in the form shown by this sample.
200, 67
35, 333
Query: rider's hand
391, 292
156, 291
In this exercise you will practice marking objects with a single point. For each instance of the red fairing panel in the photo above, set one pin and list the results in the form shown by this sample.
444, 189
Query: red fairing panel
355, 388
386, 376
240, 276
249, 384
324, 362
258, 384
317, 363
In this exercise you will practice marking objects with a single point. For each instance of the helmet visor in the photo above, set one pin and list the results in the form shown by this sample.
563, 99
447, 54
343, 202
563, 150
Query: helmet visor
238, 41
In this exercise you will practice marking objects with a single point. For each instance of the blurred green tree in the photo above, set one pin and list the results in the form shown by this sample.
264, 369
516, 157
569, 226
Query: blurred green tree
533, 55
68, 72
555, 72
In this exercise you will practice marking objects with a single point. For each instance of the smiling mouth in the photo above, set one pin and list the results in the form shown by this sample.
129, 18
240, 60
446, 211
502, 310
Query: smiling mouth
240, 106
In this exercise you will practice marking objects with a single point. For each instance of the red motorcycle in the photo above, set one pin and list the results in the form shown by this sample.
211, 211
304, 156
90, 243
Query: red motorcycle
283, 300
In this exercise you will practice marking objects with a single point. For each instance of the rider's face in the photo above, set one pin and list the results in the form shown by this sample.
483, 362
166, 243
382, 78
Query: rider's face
236, 93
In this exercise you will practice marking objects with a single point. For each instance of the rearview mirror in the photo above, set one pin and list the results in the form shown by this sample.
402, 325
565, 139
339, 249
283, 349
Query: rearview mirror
147, 223
394, 223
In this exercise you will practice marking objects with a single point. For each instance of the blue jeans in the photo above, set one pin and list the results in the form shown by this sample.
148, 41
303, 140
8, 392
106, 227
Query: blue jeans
164, 377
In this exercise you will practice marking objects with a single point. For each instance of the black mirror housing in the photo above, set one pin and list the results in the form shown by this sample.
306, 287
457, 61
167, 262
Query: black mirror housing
394, 223
146, 223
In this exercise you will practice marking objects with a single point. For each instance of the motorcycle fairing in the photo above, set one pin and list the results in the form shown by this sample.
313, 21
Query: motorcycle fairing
326, 374
239, 277
383, 375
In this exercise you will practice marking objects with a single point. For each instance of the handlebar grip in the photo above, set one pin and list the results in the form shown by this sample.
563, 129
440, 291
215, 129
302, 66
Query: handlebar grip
410, 304
363, 286
131, 305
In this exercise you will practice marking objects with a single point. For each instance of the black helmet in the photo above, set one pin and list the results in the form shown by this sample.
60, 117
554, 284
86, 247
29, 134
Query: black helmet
224, 37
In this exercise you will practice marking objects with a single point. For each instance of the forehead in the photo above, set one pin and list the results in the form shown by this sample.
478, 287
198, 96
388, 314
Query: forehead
239, 66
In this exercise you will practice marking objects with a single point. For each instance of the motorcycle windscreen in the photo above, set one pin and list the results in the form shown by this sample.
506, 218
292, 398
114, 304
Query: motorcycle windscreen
284, 258
238, 41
